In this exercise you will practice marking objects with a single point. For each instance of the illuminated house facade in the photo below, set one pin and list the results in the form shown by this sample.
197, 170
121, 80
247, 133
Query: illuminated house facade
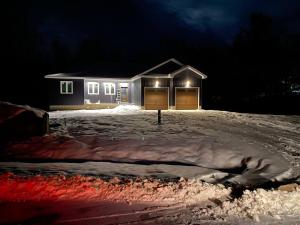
168, 85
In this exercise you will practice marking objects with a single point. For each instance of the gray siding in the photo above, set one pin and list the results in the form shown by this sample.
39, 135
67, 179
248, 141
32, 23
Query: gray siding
187, 75
56, 98
150, 82
129, 92
180, 81
136, 92
101, 97
135, 89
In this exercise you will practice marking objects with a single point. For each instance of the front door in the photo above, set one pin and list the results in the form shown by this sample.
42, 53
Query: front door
124, 94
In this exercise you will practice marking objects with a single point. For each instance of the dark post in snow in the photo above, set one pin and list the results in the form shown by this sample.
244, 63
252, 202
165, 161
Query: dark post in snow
44, 128
159, 117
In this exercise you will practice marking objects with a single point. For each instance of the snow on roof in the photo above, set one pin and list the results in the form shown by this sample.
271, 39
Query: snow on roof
168, 68
102, 70
165, 67
187, 67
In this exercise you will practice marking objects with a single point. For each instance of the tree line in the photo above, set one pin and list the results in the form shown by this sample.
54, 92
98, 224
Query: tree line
258, 71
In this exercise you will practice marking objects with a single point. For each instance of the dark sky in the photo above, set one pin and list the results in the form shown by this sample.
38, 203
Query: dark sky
224, 18
145, 21
219, 37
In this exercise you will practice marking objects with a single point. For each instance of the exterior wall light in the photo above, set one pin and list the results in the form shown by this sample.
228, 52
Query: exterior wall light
188, 84
156, 83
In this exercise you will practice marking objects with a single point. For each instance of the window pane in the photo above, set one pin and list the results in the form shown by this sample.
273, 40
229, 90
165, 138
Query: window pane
90, 88
63, 87
106, 89
112, 90
70, 87
96, 88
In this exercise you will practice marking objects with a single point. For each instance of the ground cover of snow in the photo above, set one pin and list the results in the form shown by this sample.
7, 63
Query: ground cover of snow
183, 202
231, 147
148, 160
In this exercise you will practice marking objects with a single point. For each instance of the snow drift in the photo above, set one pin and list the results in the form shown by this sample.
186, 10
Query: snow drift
183, 202
18, 121
214, 146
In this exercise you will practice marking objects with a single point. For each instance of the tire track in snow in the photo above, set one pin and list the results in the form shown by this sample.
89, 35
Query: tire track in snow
130, 217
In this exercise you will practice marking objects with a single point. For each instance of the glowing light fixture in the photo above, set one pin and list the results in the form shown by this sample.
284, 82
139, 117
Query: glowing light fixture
156, 83
188, 84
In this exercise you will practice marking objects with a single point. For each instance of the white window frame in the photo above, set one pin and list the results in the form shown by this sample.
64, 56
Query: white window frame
110, 84
93, 88
67, 92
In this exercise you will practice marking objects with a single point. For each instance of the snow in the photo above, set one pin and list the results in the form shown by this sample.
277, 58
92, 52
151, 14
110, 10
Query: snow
257, 203
20, 122
60, 187
184, 202
127, 156
9, 111
121, 109
247, 149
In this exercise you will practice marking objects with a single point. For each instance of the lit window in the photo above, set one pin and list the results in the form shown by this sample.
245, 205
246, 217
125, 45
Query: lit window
109, 88
156, 83
66, 87
123, 85
93, 88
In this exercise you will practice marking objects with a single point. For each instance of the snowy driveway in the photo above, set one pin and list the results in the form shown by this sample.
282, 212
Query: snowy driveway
214, 146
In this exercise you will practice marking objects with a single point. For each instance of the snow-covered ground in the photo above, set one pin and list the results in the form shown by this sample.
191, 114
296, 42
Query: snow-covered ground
91, 200
211, 146
214, 146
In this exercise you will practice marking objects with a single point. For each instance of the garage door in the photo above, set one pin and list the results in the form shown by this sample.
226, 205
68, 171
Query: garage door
186, 98
156, 98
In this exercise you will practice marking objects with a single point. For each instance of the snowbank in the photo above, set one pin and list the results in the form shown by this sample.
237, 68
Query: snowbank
258, 204
18, 121
37, 188
9, 110
121, 109
194, 201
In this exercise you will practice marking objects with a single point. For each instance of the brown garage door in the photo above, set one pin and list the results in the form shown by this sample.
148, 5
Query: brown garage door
186, 98
156, 98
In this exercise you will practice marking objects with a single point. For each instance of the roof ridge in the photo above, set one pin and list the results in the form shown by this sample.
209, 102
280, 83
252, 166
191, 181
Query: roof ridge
161, 64
184, 67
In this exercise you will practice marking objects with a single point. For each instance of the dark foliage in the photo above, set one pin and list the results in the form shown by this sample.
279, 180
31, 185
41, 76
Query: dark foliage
258, 72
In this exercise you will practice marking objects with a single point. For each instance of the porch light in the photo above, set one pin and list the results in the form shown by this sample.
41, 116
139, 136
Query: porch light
188, 84
156, 83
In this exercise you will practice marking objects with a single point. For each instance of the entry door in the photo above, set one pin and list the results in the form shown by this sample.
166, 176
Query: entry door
124, 94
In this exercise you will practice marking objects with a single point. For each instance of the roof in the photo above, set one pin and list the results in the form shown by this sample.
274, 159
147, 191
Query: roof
187, 67
102, 70
167, 69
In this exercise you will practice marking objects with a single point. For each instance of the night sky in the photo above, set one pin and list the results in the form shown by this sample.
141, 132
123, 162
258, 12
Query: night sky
144, 22
42, 37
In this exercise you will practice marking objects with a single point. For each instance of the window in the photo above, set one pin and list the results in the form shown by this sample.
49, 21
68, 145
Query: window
123, 85
93, 88
66, 87
109, 88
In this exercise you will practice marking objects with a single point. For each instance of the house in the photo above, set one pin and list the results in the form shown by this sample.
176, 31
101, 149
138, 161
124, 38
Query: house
168, 85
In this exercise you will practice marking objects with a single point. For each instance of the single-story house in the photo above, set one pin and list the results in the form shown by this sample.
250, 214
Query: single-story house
168, 85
